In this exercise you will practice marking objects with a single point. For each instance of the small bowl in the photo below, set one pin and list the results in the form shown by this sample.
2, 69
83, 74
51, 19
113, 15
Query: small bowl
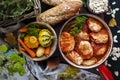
67, 28
92, 11
53, 45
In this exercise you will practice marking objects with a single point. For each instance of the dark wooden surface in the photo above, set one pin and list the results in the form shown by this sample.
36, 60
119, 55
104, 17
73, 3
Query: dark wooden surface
115, 65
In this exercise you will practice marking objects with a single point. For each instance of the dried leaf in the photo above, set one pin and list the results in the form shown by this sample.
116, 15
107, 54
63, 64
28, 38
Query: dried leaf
113, 22
10, 39
53, 63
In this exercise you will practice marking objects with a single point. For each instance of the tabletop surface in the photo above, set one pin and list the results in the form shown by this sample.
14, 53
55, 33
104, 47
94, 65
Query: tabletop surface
114, 59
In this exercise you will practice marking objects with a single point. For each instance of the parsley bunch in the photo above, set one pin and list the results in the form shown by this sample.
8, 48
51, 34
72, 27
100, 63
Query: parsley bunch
12, 9
76, 28
33, 30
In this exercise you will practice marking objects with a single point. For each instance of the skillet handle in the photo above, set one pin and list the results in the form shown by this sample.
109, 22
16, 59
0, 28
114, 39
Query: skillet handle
105, 73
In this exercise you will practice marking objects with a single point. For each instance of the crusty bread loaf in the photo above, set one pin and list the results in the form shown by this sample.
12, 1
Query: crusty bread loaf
56, 2
59, 13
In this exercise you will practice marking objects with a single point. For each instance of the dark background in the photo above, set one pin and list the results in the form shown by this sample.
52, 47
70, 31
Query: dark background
115, 64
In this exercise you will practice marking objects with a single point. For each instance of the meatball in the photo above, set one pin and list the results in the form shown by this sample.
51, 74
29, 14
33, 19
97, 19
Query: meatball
85, 49
100, 37
67, 42
94, 25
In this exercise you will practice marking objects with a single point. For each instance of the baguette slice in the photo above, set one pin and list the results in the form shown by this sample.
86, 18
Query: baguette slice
59, 13
56, 2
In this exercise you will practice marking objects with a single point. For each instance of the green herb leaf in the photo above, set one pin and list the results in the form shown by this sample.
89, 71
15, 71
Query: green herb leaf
23, 35
33, 30
81, 19
3, 48
13, 63
76, 28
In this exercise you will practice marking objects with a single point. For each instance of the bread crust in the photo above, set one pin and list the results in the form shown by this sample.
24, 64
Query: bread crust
59, 13
56, 2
